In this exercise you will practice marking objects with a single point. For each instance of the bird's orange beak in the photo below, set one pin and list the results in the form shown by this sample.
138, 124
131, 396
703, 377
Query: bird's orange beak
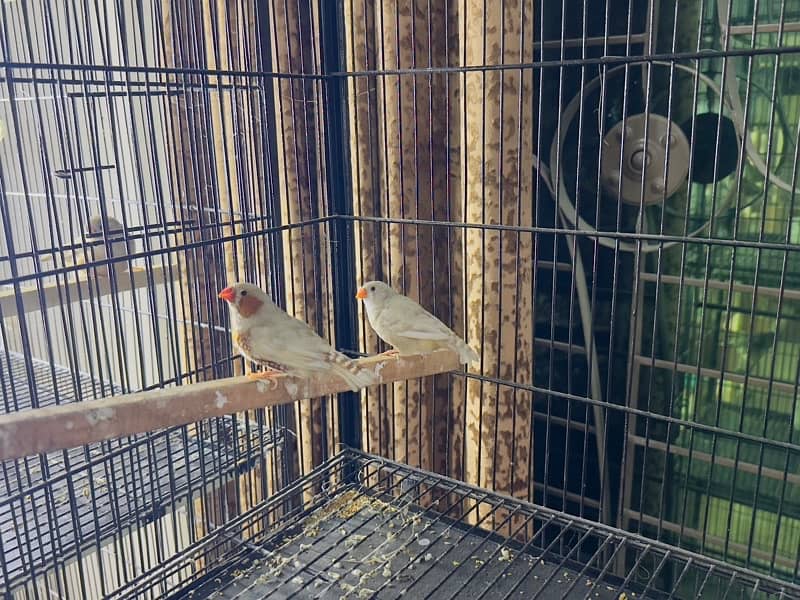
361, 294
227, 294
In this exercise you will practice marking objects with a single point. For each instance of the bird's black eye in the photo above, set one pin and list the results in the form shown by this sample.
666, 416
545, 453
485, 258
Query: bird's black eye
244, 292
372, 289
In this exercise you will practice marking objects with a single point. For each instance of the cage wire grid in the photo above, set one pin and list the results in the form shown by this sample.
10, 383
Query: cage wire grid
63, 505
640, 417
357, 530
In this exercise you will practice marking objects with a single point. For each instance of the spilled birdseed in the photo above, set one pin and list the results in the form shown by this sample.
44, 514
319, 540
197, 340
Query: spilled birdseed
391, 550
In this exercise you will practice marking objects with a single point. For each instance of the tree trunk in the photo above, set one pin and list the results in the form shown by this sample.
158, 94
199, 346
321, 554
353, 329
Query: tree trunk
498, 150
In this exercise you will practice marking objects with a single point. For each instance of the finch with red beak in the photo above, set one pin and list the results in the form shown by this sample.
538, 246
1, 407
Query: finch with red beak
266, 335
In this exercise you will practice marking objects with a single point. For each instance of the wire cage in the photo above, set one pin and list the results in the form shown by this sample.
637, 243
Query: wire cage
598, 196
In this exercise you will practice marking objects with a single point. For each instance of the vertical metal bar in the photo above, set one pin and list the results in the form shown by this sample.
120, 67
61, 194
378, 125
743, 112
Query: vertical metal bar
282, 416
738, 217
340, 203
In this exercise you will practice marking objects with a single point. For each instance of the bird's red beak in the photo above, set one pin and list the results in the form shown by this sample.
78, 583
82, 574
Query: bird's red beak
361, 294
227, 294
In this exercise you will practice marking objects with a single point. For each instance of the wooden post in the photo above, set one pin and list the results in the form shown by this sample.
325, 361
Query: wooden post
498, 149
457, 410
414, 176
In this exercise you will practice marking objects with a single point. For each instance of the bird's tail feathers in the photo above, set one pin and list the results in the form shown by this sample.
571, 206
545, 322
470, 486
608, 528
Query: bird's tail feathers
354, 375
466, 353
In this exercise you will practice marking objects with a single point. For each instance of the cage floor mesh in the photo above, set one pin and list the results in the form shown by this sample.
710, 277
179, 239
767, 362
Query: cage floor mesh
358, 546
47, 385
364, 527
52, 505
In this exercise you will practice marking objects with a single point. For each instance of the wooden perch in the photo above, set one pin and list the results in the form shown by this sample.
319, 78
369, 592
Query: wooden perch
71, 425
54, 294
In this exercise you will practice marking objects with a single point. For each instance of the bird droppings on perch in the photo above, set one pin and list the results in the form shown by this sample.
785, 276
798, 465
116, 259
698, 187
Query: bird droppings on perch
28, 432
93, 417
291, 388
378, 369
265, 386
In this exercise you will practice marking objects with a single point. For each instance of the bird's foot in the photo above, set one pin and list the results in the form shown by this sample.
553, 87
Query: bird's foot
391, 352
265, 375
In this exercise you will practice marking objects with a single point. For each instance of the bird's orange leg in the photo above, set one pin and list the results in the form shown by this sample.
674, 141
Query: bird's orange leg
271, 375
391, 352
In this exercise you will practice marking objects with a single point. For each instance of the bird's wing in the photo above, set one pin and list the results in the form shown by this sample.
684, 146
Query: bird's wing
408, 319
291, 342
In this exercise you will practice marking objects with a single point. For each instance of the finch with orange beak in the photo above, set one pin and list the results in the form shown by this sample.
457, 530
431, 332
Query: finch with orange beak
404, 324
267, 336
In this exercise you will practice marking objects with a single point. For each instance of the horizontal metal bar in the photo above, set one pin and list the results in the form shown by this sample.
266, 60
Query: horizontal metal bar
696, 534
549, 264
622, 236
760, 382
611, 40
579, 426
173, 249
764, 28
558, 345
723, 461
65, 426
607, 60
716, 284
645, 414
156, 88
556, 492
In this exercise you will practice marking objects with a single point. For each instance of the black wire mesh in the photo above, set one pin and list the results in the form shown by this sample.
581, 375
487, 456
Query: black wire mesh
373, 538
85, 316
639, 364
57, 507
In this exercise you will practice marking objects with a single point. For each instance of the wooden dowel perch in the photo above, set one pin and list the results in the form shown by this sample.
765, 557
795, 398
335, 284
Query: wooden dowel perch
71, 425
